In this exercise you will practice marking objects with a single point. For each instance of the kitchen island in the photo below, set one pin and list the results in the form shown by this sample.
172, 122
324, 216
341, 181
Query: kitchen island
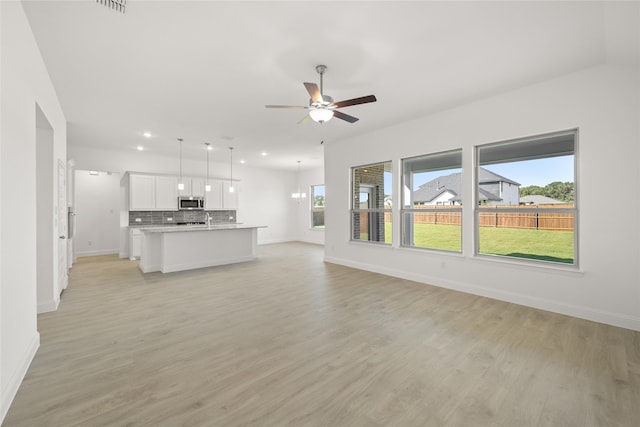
169, 249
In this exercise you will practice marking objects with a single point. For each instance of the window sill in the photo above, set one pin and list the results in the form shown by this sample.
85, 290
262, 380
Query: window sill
570, 270
430, 251
369, 242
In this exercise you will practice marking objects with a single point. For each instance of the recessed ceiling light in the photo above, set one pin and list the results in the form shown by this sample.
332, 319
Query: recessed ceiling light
93, 172
209, 147
140, 148
242, 161
147, 134
264, 153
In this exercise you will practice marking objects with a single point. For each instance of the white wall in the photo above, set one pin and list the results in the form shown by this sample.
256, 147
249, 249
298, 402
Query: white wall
603, 102
24, 84
263, 199
97, 213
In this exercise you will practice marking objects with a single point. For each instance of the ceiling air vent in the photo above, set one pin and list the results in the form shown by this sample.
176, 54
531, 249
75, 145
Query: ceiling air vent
117, 5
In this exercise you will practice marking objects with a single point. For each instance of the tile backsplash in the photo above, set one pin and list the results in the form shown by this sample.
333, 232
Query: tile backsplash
172, 217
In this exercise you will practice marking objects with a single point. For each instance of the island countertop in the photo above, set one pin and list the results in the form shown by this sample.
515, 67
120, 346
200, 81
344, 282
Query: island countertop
199, 227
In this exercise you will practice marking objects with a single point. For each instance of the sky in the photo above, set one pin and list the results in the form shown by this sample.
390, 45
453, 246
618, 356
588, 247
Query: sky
530, 172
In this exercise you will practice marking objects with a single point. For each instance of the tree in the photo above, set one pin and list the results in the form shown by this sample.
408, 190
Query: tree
318, 200
531, 190
563, 191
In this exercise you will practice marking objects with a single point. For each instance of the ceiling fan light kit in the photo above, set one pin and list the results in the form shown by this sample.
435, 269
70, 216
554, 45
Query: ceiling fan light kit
321, 115
321, 107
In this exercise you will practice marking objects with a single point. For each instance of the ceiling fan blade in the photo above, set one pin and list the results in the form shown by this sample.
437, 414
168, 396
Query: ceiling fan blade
299, 107
313, 90
305, 119
355, 101
345, 117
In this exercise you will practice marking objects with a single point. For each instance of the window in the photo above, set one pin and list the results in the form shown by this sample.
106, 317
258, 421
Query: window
371, 208
317, 206
432, 201
525, 197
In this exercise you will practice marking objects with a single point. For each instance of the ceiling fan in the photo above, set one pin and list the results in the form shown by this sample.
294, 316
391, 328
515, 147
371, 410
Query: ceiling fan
321, 107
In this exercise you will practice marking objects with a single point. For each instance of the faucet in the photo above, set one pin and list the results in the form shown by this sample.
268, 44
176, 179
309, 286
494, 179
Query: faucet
208, 218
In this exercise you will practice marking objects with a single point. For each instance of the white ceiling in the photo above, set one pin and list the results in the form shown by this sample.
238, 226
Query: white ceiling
204, 70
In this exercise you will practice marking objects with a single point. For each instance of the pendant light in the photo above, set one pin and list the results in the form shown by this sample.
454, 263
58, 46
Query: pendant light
299, 195
180, 183
207, 186
231, 189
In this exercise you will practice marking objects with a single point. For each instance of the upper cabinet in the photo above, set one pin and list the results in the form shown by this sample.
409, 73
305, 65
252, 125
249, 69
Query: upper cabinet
149, 192
192, 187
220, 198
142, 195
166, 193
213, 198
230, 199
160, 192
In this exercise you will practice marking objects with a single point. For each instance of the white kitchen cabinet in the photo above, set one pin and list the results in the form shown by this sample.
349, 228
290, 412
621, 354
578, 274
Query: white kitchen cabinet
193, 187
186, 191
134, 243
213, 198
229, 199
151, 192
197, 187
142, 196
166, 193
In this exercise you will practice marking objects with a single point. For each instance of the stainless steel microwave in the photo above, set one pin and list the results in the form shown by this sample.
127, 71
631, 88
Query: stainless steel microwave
190, 203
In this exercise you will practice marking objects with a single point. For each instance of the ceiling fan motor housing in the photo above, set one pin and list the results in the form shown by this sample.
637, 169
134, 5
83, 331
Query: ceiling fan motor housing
326, 101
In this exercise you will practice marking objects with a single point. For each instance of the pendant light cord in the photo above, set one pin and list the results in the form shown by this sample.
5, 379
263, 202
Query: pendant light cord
231, 189
180, 139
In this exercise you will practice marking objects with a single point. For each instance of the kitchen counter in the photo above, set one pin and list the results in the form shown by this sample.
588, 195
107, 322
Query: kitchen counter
199, 227
185, 247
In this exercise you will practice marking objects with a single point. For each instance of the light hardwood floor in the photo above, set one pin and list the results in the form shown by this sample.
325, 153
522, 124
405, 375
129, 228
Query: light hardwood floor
288, 340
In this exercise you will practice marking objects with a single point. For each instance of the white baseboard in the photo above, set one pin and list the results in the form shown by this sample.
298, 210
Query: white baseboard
272, 241
16, 378
98, 252
45, 307
587, 313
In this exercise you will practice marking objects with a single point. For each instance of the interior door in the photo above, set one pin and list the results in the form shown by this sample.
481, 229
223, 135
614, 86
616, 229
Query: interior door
62, 228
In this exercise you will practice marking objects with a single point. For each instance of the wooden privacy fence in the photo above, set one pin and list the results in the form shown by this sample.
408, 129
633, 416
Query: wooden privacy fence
540, 220
555, 221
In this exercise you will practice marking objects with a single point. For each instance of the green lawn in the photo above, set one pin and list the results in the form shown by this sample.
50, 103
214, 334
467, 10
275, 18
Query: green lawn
543, 245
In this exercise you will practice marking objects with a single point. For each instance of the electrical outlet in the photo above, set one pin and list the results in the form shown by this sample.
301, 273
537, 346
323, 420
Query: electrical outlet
230, 218
169, 219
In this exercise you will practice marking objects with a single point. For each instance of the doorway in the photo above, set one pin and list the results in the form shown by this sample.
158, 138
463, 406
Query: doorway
47, 217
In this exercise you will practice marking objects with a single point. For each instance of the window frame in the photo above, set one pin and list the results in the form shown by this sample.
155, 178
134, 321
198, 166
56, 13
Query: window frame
312, 210
372, 212
479, 208
438, 207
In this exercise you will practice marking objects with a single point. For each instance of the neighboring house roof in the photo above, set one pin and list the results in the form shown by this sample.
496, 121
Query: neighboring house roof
535, 199
432, 189
485, 176
487, 195
452, 183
